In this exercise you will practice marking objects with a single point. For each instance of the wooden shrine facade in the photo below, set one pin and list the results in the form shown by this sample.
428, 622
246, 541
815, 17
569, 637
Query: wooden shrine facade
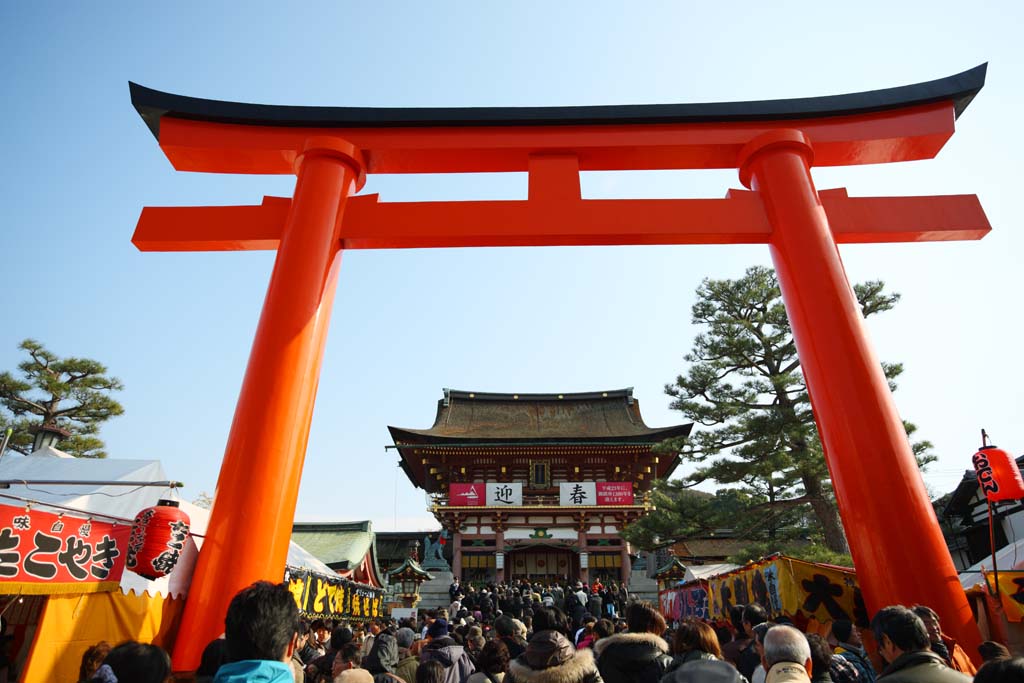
537, 486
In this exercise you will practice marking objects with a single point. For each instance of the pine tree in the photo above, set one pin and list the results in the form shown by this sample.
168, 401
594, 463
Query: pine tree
745, 391
72, 394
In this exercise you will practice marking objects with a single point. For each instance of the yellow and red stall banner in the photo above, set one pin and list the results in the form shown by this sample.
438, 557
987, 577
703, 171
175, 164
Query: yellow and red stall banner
44, 553
785, 586
1011, 593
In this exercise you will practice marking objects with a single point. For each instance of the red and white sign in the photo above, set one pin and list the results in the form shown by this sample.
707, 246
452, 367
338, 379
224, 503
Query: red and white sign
614, 493
43, 553
472, 494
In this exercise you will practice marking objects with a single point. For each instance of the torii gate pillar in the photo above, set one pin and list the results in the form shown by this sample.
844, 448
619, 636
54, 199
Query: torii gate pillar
874, 472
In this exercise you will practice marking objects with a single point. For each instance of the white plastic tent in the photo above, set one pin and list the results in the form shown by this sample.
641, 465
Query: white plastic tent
117, 501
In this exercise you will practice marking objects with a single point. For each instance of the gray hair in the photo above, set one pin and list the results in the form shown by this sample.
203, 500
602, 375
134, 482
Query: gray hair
785, 644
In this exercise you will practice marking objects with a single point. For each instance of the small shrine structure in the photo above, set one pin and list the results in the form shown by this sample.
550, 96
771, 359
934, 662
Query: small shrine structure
537, 486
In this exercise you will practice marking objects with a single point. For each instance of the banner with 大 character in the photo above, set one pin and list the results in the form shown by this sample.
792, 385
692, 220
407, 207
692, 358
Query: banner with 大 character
42, 553
324, 597
794, 588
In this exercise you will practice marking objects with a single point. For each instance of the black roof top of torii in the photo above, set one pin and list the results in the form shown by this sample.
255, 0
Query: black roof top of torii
153, 105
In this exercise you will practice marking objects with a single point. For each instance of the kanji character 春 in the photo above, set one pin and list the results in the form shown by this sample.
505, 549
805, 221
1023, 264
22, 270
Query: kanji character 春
8, 558
44, 545
103, 558
75, 556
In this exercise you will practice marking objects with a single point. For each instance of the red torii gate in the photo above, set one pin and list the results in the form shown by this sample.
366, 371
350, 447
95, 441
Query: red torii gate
894, 536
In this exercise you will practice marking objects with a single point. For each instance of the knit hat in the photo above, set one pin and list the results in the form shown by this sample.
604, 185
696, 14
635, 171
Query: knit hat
439, 629
405, 637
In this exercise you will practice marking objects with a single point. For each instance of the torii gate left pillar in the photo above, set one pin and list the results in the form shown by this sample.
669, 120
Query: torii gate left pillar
894, 537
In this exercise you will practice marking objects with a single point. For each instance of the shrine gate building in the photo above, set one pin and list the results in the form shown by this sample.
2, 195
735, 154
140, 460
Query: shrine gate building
537, 486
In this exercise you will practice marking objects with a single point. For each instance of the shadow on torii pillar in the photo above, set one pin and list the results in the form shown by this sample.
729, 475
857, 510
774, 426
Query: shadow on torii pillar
773, 144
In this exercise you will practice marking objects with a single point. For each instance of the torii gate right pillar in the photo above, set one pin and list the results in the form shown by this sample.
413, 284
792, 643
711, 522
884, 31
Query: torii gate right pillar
890, 523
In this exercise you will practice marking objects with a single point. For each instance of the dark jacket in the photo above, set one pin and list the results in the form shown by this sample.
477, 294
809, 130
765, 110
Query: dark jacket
859, 659
748, 661
691, 656
551, 658
458, 666
923, 666
632, 658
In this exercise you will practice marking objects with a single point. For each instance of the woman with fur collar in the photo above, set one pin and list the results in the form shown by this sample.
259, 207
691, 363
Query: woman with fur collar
638, 656
551, 658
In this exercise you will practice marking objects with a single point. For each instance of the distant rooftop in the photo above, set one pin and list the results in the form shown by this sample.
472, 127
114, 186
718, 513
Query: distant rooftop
481, 417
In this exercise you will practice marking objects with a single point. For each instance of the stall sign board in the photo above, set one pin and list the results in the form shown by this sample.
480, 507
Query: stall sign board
43, 553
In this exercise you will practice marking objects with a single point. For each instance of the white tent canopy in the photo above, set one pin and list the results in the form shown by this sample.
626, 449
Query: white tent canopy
118, 501
1008, 557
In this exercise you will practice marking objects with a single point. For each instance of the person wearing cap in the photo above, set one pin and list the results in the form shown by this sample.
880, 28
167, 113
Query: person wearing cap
787, 655
845, 638
443, 649
551, 658
407, 662
904, 645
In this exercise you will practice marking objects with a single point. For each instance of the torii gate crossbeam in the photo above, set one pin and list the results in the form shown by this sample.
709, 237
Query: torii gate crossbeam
894, 536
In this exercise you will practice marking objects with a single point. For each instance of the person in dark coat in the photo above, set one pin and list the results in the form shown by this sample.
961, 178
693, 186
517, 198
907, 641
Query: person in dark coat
507, 633
639, 655
452, 656
904, 644
551, 658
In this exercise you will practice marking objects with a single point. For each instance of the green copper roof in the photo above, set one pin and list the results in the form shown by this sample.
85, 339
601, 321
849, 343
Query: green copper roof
341, 545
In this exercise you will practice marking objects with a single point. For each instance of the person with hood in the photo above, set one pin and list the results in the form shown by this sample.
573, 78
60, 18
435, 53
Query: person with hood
407, 662
639, 655
551, 658
262, 632
442, 648
383, 659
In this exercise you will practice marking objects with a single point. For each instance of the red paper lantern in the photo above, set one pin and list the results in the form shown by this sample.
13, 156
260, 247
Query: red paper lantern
998, 474
157, 540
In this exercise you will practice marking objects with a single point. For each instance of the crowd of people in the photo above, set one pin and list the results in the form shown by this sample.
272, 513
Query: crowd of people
488, 636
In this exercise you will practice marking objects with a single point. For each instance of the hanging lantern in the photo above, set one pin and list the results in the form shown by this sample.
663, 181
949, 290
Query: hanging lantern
998, 474
157, 540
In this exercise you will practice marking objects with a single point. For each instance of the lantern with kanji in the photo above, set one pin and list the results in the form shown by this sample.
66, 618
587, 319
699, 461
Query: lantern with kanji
157, 540
998, 474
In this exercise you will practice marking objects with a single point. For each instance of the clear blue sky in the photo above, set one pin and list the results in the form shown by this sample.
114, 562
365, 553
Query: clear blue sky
176, 328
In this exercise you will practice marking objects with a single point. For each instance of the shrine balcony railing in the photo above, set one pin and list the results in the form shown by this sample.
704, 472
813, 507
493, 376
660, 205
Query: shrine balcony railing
535, 502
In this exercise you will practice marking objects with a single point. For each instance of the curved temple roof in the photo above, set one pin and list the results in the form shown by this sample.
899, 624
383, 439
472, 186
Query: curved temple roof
153, 105
479, 417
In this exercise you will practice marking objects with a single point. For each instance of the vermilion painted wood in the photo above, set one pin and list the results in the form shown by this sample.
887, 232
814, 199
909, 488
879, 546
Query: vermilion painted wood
254, 506
898, 549
889, 520
887, 136
740, 219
